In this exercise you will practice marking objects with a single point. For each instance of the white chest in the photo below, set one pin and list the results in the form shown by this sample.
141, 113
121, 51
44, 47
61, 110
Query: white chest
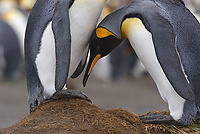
84, 15
83, 18
141, 41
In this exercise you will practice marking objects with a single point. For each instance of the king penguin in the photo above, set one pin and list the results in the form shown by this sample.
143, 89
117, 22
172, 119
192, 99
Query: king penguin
9, 52
173, 59
56, 45
13, 15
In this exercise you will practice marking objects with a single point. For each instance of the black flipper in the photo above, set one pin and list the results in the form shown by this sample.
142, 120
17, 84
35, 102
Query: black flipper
162, 19
164, 39
61, 29
81, 65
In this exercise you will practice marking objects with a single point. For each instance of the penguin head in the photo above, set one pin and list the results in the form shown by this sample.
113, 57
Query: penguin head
102, 43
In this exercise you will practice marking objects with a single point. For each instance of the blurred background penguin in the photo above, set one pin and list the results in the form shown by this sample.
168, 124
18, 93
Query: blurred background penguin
10, 55
26, 5
13, 19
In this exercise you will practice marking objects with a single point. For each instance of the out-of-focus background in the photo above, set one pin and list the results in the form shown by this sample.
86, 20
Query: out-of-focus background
117, 81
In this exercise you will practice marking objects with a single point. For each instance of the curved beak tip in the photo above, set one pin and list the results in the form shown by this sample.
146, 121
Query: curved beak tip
89, 68
85, 80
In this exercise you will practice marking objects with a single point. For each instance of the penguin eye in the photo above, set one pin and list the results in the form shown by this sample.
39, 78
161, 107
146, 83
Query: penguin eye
98, 47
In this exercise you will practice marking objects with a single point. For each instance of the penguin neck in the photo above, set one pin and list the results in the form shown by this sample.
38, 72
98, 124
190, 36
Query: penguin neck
128, 25
83, 16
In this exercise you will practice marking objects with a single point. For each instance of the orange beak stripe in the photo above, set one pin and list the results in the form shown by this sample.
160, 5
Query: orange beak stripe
94, 62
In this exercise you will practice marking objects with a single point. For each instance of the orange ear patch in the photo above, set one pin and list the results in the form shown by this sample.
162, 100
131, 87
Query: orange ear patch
102, 33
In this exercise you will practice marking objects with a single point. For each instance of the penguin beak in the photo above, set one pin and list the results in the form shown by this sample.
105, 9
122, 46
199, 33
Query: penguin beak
90, 66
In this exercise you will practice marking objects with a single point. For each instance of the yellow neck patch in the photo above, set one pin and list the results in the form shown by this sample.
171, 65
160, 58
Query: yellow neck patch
128, 25
102, 33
